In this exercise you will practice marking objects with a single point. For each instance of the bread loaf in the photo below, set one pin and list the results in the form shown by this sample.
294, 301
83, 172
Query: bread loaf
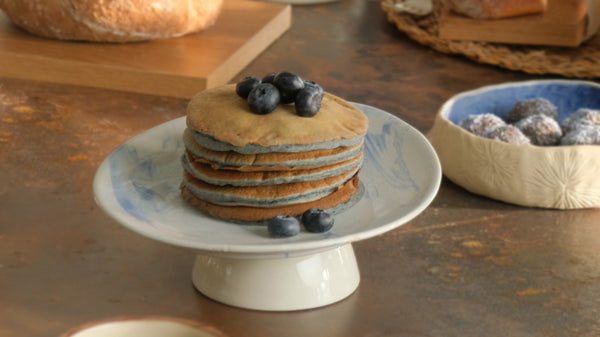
112, 20
496, 9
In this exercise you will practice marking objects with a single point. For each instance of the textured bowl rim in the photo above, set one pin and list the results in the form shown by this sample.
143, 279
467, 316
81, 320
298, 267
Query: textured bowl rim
445, 108
447, 105
526, 155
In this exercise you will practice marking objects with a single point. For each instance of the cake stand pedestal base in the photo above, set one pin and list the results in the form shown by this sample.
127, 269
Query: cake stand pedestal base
278, 283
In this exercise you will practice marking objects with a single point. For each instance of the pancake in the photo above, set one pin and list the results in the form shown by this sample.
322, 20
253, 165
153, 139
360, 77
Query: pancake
208, 174
254, 214
267, 195
270, 161
244, 166
221, 115
217, 145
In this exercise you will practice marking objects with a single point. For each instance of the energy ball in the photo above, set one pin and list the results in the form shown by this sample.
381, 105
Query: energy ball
479, 124
529, 107
583, 135
508, 134
581, 117
540, 129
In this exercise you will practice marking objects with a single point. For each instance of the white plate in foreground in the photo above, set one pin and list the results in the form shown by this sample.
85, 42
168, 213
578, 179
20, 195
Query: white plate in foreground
138, 185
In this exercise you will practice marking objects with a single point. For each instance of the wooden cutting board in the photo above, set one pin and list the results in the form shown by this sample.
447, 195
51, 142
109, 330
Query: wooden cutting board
562, 24
178, 67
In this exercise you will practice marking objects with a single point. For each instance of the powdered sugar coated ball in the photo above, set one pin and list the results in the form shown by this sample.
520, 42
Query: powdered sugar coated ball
528, 107
479, 124
583, 135
582, 116
508, 134
540, 129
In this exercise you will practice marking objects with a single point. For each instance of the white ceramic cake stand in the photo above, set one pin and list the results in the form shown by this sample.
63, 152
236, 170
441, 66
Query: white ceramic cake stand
240, 265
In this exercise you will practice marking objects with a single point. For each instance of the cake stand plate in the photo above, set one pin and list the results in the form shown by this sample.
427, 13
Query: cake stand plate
240, 265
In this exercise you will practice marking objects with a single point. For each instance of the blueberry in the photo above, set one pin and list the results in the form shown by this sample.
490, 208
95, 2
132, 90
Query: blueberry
308, 83
263, 99
246, 85
269, 78
289, 84
283, 226
317, 220
308, 101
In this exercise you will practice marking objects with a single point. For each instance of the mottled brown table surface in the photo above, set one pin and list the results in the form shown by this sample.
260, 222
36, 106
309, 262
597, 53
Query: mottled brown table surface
466, 266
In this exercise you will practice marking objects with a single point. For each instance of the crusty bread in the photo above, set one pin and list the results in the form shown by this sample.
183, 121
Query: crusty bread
112, 21
496, 9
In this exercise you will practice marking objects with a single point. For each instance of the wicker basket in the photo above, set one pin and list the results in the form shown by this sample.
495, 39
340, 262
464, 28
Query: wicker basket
581, 62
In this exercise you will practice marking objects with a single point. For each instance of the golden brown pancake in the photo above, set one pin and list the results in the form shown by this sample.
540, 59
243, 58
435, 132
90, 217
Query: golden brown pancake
220, 113
216, 176
271, 161
266, 195
244, 166
246, 213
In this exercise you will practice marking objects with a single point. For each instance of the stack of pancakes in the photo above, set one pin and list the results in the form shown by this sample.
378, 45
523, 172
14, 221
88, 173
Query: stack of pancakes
240, 165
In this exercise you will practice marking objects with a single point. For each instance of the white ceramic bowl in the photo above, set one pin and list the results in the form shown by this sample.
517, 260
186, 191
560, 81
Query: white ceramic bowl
151, 326
561, 177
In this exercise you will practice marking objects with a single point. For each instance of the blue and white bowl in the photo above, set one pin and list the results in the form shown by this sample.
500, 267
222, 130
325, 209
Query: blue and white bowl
561, 177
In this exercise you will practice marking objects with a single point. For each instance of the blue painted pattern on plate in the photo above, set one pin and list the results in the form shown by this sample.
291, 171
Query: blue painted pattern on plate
144, 178
383, 150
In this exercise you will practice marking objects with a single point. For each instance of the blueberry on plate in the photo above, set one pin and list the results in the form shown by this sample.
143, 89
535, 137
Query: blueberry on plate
243, 87
263, 99
317, 220
308, 101
289, 84
283, 226
269, 78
